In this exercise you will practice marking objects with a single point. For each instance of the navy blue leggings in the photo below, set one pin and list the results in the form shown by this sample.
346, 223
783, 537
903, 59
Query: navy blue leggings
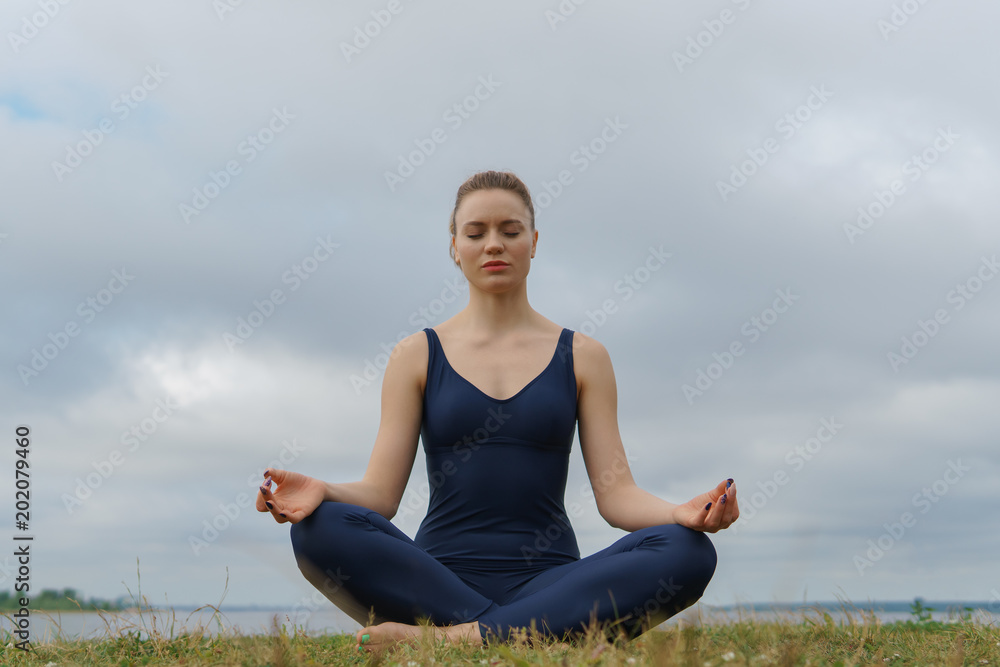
375, 573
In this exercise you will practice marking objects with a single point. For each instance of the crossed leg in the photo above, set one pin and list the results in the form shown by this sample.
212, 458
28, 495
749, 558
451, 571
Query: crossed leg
376, 574
633, 585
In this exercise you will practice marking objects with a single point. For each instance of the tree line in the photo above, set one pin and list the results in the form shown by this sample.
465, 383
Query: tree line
64, 600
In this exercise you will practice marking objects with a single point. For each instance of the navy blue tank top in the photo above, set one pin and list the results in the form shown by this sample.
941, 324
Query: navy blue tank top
497, 468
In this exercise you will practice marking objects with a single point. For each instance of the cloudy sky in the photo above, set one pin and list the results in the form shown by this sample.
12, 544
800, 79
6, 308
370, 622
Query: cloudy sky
217, 216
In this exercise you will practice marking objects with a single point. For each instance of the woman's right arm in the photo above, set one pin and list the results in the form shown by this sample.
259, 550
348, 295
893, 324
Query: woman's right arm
381, 488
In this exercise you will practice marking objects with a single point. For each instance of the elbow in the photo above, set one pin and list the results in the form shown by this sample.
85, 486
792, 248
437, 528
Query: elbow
390, 508
607, 516
386, 510
620, 525
382, 500
613, 507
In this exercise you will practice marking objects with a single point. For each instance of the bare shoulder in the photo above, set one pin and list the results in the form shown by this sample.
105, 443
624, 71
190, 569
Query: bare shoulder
591, 361
587, 349
409, 357
415, 341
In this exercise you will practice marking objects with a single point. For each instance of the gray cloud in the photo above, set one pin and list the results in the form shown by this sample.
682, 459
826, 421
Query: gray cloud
323, 176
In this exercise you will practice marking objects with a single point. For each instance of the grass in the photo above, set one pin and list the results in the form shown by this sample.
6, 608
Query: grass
806, 638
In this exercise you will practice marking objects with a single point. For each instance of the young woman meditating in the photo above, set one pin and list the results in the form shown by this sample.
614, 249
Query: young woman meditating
495, 394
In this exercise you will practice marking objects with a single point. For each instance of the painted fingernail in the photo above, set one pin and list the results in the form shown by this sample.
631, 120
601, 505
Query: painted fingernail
723, 499
268, 483
269, 505
267, 473
282, 515
708, 506
729, 482
364, 638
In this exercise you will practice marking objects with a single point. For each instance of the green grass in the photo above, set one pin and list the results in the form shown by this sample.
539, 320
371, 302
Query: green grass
809, 638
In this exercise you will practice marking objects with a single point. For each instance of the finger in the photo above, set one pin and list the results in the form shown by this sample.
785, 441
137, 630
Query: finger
287, 516
271, 504
715, 495
719, 520
714, 518
264, 493
261, 507
704, 519
278, 513
276, 474
736, 505
729, 507
293, 516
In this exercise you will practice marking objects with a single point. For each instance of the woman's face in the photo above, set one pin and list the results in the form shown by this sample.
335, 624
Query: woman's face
494, 226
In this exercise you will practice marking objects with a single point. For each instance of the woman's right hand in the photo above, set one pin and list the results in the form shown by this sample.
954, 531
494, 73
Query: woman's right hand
293, 499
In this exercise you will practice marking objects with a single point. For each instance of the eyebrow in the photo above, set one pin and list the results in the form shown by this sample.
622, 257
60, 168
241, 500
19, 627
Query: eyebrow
476, 223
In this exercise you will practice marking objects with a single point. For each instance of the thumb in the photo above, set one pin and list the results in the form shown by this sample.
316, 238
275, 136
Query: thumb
276, 474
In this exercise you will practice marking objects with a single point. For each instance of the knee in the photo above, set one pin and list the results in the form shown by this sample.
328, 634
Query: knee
704, 556
701, 560
693, 558
321, 530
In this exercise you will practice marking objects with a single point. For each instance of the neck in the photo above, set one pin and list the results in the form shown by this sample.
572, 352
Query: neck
492, 314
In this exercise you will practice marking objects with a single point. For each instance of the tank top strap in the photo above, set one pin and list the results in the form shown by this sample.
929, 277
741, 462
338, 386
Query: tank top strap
564, 348
435, 360
564, 358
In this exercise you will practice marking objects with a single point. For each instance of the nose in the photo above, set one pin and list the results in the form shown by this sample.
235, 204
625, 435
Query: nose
494, 242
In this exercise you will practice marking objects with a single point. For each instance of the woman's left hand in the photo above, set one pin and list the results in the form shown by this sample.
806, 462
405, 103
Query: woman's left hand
712, 511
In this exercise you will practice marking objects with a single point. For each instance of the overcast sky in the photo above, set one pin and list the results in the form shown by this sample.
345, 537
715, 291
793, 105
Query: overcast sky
216, 218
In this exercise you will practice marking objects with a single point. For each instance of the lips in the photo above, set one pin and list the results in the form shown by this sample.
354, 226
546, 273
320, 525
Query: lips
487, 264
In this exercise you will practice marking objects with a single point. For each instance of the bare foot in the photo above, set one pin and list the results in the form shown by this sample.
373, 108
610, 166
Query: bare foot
384, 636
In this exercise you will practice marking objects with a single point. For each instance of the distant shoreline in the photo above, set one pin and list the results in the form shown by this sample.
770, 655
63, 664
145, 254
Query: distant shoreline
67, 599
91, 610
939, 606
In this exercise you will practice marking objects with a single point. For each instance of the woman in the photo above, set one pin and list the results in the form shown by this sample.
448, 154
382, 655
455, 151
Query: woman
496, 551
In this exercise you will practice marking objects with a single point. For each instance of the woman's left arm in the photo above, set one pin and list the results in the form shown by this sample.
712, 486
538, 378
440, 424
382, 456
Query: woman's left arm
620, 502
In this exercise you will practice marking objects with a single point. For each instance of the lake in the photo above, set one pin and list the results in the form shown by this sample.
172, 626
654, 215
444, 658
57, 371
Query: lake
47, 626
